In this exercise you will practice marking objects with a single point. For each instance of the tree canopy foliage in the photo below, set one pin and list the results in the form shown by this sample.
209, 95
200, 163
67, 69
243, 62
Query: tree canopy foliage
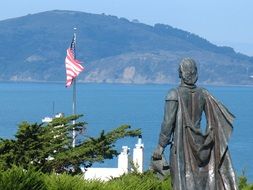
48, 146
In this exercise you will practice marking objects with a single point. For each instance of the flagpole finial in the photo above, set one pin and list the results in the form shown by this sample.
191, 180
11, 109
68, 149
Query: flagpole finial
75, 29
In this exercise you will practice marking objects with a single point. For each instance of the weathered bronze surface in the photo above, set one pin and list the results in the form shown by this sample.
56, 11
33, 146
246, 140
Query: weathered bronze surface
198, 160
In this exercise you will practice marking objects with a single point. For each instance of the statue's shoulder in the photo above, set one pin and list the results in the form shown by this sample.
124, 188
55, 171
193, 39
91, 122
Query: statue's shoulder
202, 90
172, 95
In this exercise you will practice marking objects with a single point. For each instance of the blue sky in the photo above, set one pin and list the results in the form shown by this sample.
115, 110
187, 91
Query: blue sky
223, 22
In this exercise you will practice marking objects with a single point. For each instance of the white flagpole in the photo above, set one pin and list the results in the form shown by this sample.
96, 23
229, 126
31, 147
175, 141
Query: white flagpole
74, 98
74, 112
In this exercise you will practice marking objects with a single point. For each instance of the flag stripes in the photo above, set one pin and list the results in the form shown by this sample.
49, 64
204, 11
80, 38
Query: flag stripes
73, 66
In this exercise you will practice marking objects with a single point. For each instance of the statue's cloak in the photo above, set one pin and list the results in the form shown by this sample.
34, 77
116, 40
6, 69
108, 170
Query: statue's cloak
202, 161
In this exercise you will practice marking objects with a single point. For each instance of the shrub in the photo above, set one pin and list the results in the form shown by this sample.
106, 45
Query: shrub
17, 178
63, 181
243, 183
20, 179
145, 181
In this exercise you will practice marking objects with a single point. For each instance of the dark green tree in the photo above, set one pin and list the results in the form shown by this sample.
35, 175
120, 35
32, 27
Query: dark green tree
48, 146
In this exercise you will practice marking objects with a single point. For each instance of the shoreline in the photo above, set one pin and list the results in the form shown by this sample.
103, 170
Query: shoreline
125, 83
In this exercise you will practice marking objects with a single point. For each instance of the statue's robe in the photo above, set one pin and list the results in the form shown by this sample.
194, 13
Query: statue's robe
198, 161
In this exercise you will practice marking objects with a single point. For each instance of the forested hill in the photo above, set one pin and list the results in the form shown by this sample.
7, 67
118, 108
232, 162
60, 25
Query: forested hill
113, 50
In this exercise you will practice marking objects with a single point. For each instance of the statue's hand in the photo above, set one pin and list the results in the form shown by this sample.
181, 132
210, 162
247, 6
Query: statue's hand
157, 155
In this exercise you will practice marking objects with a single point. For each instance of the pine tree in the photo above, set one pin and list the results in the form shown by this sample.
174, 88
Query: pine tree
48, 146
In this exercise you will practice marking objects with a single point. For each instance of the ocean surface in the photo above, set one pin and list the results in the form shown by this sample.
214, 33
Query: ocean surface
107, 106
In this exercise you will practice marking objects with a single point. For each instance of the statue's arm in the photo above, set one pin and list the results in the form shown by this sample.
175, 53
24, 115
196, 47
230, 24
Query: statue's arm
168, 124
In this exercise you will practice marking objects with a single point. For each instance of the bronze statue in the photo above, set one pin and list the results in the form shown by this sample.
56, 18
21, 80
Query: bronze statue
198, 160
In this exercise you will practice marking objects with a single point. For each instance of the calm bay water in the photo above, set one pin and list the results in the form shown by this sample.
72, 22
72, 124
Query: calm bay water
106, 106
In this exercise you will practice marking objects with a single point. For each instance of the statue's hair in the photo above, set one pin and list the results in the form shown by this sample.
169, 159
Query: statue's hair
188, 71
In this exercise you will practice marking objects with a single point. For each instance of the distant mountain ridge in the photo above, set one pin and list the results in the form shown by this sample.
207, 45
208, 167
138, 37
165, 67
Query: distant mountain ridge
114, 50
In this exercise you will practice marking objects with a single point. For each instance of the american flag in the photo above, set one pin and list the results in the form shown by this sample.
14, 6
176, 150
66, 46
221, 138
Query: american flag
73, 66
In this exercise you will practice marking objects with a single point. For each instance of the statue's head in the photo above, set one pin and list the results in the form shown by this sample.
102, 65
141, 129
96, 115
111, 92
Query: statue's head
188, 71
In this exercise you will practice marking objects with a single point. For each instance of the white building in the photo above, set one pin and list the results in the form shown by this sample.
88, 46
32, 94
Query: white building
106, 174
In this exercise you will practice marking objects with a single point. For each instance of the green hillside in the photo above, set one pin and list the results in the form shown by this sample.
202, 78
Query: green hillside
113, 50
